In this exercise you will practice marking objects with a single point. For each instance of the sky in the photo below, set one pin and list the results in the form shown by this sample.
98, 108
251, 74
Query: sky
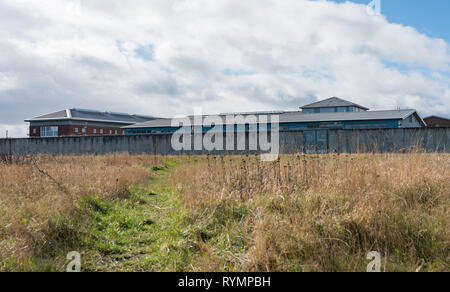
165, 57
428, 17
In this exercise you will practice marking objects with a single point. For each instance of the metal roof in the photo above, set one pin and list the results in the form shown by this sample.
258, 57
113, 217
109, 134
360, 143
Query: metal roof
59, 114
254, 113
434, 121
92, 115
437, 117
299, 117
332, 102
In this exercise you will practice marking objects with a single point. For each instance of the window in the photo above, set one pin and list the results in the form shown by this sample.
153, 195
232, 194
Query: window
110, 132
95, 131
116, 132
76, 130
83, 130
327, 110
34, 131
411, 119
101, 131
49, 131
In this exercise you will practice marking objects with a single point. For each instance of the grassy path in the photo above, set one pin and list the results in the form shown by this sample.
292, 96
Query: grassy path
337, 213
143, 232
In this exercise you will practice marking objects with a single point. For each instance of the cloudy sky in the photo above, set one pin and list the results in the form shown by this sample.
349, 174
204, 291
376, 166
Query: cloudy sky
165, 57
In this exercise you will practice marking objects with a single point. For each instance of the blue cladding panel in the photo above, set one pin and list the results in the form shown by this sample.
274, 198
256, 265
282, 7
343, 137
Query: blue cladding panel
146, 131
381, 124
384, 124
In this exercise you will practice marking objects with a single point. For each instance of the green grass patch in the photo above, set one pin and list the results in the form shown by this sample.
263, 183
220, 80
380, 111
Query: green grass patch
142, 231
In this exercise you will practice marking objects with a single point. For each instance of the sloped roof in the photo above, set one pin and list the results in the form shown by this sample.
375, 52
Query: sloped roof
92, 115
437, 117
348, 116
59, 114
332, 102
299, 117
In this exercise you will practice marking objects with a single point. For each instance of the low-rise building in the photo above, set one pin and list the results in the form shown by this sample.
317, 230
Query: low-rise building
82, 122
437, 122
332, 113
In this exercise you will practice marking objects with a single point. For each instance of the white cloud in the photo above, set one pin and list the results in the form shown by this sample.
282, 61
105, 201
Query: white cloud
223, 55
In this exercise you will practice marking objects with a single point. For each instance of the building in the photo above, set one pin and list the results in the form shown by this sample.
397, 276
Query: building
332, 113
332, 105
82, 122
437, 122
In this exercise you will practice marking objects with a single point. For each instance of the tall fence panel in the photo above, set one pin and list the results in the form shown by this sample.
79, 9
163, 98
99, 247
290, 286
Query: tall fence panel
389, 140
314, 141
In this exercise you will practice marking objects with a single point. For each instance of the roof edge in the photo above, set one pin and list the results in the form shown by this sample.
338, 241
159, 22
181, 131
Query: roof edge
422, 121
78, 119
407, 113
434, 116
310, 106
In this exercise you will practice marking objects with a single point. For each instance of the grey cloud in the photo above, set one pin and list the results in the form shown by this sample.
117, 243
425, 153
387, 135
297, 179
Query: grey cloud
96, 64
168, 87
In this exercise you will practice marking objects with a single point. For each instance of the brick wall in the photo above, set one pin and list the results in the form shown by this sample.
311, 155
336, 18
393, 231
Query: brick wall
71, 130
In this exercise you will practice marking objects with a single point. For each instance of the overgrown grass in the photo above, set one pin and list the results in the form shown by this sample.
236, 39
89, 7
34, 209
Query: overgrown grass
319, 213
232, 213
39, 193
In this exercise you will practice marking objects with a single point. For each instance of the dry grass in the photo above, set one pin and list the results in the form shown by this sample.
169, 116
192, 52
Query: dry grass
230, 213
319, 213
34, 189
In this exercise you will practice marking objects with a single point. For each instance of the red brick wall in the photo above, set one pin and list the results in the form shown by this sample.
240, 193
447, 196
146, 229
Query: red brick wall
436, 121
90, 131
69, 130
38, 131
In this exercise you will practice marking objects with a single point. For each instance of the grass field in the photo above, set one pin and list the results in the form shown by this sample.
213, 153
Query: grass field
229, 213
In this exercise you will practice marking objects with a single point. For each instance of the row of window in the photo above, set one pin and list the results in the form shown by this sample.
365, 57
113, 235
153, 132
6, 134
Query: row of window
101, 132
332, 110
53, 131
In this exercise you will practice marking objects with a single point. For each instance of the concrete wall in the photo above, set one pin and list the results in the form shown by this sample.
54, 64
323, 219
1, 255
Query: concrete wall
343, 141
390, 140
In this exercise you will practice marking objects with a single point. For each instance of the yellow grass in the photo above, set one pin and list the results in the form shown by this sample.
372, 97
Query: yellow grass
235, 213
321, 213
33, 189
